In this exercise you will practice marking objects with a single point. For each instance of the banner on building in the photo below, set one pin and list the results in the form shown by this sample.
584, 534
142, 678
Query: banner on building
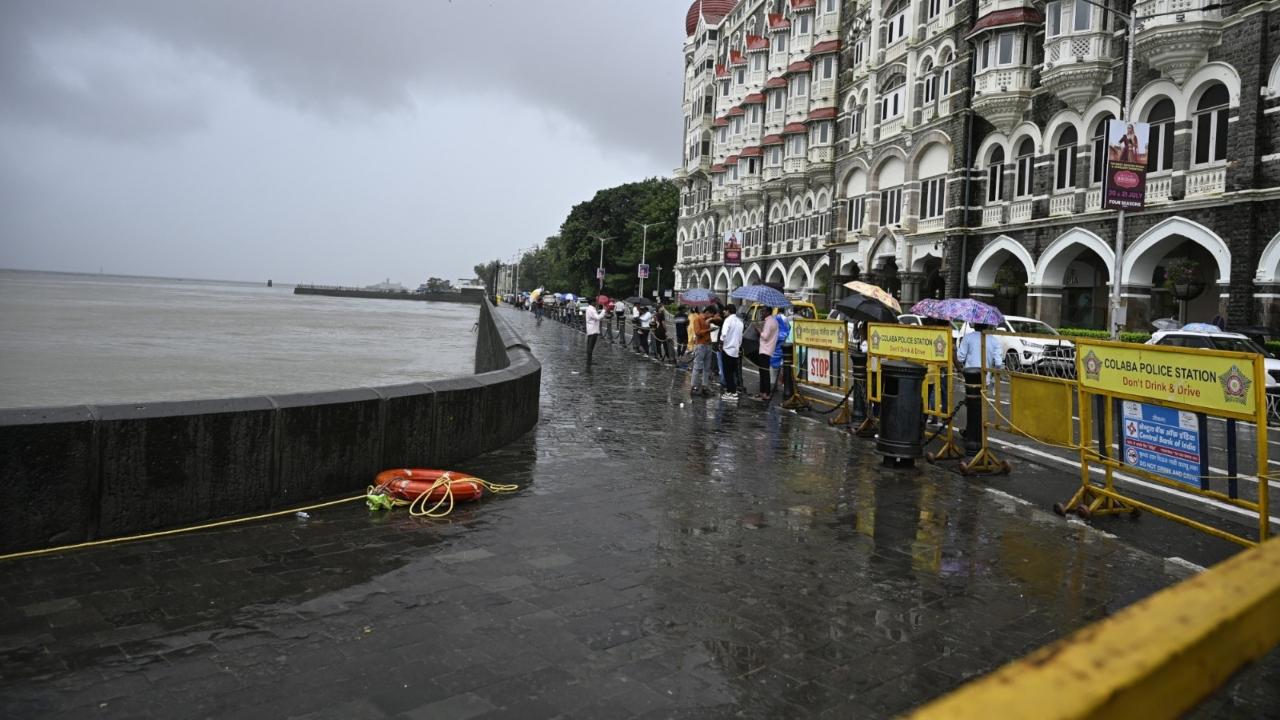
1125, 178
732, 249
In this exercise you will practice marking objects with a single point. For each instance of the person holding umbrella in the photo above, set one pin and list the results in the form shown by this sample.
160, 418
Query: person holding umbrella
700, 341
769, 332
593, 315
681, 320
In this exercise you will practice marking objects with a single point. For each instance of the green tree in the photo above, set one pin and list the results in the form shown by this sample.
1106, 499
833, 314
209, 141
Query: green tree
488, 274
438, 285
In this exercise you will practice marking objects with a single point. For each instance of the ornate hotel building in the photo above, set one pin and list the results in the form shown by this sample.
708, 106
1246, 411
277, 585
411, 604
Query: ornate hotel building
954, 148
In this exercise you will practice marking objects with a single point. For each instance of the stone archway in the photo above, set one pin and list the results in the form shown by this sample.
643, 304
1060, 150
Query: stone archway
1171, 245
1072, 281
1002, 274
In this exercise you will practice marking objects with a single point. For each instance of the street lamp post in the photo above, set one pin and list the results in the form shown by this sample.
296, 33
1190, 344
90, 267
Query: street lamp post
644, 246
600, 267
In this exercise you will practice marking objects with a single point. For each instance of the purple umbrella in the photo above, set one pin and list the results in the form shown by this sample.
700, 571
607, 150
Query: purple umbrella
965, 309
698, 297
927, 307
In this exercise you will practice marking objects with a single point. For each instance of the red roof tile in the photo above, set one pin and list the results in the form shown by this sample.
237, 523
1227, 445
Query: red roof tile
822, 48
755, 42
736, 111
772, 140
722, 71
713, 10
751, 152
720, 122
794, 129
826, 113
717, 168
737, 58
754, 99
731, 160
775, 83
803, 4
802, 66
1003, 18
778, 21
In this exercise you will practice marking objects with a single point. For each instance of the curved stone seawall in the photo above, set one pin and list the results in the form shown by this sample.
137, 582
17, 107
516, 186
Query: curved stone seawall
70, 474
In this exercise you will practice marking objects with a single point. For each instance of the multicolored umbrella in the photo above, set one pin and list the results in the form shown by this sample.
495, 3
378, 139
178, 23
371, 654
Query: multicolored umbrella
964, 309
927, 307
762, 294
698, 297
876, 293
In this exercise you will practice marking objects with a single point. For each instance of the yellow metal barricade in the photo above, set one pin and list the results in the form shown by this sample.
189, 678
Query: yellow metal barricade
820, 357
1151, 404
928, 345
1032, 398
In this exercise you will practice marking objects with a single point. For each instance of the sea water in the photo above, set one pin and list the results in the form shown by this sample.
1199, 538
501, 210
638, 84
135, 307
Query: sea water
69, 339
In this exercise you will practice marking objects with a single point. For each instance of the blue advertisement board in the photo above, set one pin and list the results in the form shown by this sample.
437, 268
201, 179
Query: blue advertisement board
1162, 441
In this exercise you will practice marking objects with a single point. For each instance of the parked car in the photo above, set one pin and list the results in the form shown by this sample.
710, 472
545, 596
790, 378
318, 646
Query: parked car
1033, 354
1235, 342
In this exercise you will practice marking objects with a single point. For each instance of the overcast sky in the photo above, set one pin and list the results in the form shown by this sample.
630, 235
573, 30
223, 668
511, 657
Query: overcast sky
321, 140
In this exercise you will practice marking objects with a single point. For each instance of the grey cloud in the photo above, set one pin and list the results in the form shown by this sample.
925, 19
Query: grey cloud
614, 67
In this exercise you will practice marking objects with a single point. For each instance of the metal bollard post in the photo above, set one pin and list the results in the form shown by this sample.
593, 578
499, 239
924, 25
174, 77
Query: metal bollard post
858, 399
972, 411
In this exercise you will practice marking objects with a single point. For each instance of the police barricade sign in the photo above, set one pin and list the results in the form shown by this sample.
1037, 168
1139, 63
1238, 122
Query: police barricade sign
820, 348
1156, 401
928, 345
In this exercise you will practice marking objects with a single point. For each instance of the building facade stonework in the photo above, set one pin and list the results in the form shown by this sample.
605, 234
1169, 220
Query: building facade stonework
955, 147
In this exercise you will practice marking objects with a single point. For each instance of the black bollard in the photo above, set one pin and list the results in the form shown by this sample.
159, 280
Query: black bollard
858, 398
972, 411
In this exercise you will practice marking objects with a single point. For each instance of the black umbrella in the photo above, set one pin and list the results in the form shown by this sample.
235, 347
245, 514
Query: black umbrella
637, 300
860, 307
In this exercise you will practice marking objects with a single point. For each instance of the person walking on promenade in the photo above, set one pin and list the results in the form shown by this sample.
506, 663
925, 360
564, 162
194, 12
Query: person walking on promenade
620, 321
642, 329
661, 339
593, 315
700, 341
681, 320
969, 352
731, 348
764, 359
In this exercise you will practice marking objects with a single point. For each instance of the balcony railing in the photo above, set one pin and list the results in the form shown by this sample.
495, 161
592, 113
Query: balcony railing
1207, 181
821, 154
1021, 210
993, 215
773, 172
1159, 188
1077, 47
1063, 204
1173, 12
927, 225
1003, 80
1093, 199
795, 165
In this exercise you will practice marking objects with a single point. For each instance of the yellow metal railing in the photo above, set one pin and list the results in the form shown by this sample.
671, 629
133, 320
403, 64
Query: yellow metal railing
1158, 658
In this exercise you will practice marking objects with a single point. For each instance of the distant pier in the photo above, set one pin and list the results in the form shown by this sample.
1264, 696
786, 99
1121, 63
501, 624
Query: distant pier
471, 296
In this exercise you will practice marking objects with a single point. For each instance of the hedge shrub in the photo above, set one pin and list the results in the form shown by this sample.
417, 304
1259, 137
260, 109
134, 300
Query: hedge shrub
1129, 337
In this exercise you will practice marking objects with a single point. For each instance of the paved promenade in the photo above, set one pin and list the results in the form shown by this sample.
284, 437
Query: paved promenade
666, 557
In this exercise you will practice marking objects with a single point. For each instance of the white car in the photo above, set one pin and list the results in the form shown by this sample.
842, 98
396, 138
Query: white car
1234, 342
1033, 354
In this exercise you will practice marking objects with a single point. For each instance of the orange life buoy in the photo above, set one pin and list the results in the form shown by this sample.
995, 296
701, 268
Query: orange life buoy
411, 483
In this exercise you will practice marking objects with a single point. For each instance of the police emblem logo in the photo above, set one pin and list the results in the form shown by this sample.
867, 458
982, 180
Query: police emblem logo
939, 347
875, 340
1092, 366
1235, 386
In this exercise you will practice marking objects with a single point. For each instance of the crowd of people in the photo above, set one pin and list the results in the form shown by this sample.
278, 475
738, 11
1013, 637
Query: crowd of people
710, 342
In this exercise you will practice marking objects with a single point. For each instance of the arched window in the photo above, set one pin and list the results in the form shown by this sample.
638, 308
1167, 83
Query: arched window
893, 97
896, 27
1160, 149
944, 62
995, 176
1210, 123
930, 82
1065, 159
1026, 165
1098, 155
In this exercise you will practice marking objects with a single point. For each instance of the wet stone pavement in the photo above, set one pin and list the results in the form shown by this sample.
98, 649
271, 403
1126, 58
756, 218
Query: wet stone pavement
665, 557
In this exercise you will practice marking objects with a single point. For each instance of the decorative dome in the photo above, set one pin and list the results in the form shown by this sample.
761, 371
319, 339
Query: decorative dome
713, 10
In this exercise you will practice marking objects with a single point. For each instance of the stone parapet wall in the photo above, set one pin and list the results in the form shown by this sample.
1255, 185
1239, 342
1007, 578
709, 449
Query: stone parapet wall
71, 474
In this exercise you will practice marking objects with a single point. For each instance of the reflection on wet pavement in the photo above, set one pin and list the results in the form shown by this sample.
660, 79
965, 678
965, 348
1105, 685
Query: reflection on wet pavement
665, 557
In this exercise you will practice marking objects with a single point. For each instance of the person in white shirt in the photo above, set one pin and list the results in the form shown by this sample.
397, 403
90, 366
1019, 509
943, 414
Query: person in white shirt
969, 352
593, 328
642, 327
731, 348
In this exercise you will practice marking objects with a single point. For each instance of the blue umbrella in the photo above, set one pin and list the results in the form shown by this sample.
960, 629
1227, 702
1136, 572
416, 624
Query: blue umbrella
1201, 327
762, 294
695, 297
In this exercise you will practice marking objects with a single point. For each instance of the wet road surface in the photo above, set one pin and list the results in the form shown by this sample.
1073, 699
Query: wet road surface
666, 557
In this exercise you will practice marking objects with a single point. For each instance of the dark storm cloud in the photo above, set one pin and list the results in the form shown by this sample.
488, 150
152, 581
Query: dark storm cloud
612, 66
